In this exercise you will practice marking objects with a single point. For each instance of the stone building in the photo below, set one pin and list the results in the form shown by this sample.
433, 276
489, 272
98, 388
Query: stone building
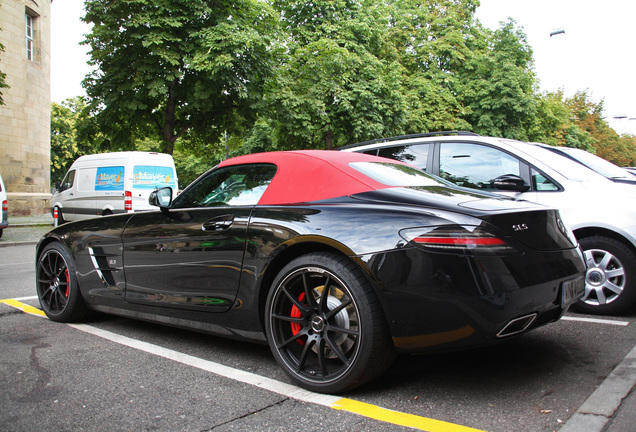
25, 142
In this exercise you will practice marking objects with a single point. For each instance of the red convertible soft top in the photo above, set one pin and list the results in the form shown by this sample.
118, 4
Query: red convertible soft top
312, 175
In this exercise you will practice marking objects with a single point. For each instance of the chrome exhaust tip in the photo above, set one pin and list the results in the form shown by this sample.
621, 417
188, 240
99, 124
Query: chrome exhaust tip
517, 325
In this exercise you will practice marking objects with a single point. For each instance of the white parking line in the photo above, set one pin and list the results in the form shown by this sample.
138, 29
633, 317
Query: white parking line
287, 390
596, 321
25, 298
360, 408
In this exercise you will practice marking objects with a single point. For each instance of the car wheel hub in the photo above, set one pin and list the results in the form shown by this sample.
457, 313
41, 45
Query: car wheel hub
595, 277
317, 324
604, 279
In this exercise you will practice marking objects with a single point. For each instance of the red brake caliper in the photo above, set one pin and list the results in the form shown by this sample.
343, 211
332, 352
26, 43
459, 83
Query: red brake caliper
68, 284
296, 313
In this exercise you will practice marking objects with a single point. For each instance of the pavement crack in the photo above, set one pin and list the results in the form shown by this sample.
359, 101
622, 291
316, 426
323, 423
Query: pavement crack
42, 389
265, 408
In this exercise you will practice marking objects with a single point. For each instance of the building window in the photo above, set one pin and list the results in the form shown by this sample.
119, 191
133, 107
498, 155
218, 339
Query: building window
29, 37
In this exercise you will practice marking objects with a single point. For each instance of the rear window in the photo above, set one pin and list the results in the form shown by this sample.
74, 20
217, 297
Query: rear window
395, 175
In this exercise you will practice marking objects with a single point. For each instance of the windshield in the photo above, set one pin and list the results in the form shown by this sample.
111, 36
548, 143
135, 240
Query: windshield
560, 163
594, 162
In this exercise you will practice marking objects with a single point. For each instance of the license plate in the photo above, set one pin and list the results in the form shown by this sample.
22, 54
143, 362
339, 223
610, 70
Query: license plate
572, 290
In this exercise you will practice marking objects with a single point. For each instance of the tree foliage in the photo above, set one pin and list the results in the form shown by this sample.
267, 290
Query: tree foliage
67, 120
210, 80
332, 85
498, 84
175, 66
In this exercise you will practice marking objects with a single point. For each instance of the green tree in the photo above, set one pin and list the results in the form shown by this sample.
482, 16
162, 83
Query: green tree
167, 68
67, 119
333, 87
432, 39
498, 85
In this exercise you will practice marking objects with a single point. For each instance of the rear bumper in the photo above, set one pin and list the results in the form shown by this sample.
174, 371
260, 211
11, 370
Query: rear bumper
444, 302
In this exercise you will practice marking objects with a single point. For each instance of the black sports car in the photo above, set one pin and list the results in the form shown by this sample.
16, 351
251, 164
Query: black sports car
337, 260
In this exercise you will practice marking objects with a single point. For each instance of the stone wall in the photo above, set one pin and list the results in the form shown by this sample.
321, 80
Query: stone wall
25, 144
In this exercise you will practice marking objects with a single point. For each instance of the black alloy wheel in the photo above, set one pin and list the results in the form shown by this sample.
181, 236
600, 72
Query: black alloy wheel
57, 286
610, 281
325, 325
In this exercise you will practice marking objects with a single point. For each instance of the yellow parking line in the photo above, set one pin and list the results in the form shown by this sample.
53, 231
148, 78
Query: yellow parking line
342, 404
398, 418
23, 307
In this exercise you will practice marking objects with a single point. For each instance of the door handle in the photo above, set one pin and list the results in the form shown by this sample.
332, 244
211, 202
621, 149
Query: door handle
219, 223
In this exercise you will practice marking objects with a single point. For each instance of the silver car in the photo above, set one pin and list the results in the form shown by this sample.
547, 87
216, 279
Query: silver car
601, 212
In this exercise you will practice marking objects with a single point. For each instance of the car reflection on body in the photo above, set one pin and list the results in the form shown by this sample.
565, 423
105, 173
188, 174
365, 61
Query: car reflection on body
336, 260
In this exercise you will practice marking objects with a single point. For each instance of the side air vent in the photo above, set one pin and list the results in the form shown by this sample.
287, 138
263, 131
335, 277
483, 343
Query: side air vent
100, 261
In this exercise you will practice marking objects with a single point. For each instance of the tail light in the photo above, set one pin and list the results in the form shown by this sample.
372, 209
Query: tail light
128, 201
457, 239
5, 206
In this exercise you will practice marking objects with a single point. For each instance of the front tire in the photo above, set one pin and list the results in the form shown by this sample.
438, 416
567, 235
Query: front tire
325, 325
57, 286
610, 283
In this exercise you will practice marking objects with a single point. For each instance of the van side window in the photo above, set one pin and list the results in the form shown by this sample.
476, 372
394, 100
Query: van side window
68, 181
412, 154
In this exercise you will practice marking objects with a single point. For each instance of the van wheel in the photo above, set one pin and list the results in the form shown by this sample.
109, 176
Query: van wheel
107, 213
610, 281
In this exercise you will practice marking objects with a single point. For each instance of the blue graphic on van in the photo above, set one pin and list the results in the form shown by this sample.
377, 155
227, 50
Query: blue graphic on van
110, 179
150, 177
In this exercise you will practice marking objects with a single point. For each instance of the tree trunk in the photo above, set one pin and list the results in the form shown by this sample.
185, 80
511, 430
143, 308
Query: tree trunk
329, 140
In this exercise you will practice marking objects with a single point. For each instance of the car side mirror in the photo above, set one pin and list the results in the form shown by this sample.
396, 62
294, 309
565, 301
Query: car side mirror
510, 182
161, 197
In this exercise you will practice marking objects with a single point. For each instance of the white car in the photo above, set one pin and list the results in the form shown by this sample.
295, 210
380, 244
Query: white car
601, 212
4, 218
598, 164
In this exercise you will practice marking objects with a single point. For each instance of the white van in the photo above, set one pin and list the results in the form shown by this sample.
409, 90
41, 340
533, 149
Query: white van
111, 183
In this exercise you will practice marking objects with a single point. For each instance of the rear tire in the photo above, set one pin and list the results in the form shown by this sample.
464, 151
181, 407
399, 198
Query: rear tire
610, 282
327, 343
57, 286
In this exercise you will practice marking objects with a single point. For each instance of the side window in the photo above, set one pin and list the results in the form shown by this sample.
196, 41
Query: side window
68, 181
241, 185
475, 166
412, 154
541, 182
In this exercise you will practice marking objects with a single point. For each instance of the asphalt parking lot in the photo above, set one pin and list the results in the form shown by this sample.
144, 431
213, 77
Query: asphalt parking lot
113, 373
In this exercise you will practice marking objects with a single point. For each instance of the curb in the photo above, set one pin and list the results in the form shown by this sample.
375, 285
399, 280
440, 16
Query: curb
18, 243
601, 406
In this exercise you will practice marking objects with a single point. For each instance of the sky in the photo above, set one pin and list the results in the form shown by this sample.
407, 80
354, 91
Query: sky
595, 54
